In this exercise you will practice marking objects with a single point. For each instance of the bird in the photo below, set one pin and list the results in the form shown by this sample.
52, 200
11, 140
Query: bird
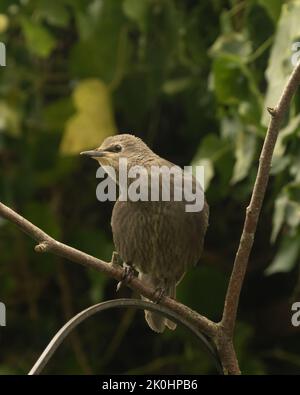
160, 240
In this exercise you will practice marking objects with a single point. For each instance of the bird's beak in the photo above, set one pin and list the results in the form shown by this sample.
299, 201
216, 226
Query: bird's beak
93, 154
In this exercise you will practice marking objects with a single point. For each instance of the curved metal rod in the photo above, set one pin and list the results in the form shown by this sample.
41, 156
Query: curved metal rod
119, 303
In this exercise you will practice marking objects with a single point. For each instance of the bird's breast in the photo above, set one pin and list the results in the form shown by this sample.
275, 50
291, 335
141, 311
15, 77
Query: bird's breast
158, 237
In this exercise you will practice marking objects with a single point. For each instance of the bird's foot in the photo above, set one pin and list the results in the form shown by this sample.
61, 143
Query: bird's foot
127, 276
159, 294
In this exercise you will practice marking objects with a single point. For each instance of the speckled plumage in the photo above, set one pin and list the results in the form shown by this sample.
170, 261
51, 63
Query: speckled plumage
159, 239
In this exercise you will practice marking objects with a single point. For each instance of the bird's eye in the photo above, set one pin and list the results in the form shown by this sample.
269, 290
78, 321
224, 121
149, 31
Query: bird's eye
117, 148
114, 148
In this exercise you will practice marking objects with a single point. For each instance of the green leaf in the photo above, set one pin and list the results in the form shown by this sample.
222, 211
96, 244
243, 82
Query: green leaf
103, 44
210, 150
54, 12
94, 120
209, 171
4, 23
287, 255
229, 82
249, 114
9, 119
171, 87
280, 160
232, 79
293, 213
231, 43
273, 8
289, 130
280, 61
287, 209
279, 164
279, 215
245, 145
137, 10
38, 39
294, 168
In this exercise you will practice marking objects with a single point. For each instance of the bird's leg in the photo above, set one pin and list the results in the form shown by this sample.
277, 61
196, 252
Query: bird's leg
159, 294
116, 259
128, 274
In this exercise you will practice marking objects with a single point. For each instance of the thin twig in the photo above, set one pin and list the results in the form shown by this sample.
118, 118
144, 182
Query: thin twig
48, 244
254, 208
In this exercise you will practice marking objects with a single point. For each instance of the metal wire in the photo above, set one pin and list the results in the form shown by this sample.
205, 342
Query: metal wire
113, 304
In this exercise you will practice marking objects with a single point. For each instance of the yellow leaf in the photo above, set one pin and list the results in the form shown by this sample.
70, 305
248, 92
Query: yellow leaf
4, 23
94, 120
9, 119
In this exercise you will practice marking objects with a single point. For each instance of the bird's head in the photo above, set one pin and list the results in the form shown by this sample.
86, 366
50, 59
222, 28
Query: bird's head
119, 146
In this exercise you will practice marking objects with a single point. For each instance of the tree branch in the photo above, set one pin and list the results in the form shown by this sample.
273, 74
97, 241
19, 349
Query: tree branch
254, 208
48, 244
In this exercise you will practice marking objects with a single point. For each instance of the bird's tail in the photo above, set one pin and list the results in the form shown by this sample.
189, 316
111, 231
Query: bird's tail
156, 321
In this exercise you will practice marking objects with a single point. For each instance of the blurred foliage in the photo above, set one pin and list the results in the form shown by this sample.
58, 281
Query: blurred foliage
193, 79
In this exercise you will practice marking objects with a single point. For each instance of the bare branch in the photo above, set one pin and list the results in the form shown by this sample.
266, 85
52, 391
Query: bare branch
254, 208
48, 244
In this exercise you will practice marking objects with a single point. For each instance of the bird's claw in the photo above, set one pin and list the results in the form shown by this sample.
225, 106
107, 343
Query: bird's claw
159, 294
128, 274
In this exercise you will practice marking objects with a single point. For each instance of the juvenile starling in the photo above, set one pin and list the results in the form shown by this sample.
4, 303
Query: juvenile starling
160, 239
